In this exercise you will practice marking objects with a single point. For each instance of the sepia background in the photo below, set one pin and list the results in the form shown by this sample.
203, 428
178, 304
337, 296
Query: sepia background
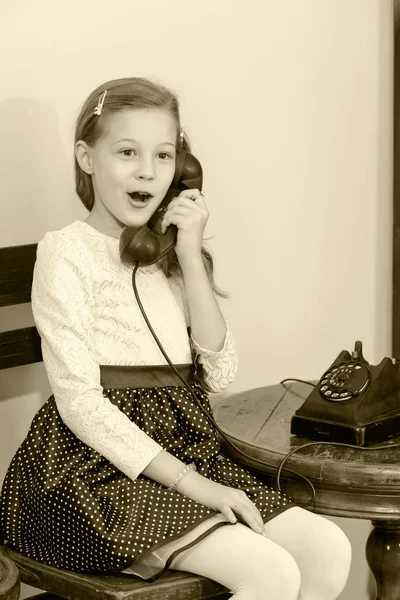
289, 109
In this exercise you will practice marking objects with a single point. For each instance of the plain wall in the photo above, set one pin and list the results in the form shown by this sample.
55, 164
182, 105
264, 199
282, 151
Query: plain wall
289, 108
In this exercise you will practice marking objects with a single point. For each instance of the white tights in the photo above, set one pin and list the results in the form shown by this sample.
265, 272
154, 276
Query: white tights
300, 556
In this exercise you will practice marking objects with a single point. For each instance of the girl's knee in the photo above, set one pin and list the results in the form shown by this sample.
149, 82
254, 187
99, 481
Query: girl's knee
288, 578
335, 543
338, 559
332, 558
319, 534
321, 548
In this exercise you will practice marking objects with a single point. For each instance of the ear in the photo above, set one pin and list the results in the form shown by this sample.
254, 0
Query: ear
84, 156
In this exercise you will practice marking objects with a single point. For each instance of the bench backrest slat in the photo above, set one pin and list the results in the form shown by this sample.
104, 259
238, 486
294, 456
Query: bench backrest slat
21, 346
16, 272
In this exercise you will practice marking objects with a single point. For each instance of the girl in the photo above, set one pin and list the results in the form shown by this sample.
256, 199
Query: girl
121, 469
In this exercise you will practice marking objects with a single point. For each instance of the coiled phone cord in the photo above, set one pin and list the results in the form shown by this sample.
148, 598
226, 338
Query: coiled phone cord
209, 417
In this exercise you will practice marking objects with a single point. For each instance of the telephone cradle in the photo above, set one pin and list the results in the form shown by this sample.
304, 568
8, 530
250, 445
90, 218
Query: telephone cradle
353, 402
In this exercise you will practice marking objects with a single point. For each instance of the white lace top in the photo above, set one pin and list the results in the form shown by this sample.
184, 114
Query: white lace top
87, 315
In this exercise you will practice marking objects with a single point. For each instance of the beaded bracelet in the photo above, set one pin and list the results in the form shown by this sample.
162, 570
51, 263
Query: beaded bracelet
185, 471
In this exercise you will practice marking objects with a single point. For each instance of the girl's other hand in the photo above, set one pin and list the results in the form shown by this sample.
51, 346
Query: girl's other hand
223, 499
189, 213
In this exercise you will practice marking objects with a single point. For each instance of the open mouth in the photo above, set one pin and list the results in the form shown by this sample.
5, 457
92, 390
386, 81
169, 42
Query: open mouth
140, 197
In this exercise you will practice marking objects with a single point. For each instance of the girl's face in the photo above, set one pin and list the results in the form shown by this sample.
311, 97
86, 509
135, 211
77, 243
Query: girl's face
132, 166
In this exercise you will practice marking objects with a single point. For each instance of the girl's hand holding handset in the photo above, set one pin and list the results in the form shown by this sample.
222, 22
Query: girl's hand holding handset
221, 498
189, 213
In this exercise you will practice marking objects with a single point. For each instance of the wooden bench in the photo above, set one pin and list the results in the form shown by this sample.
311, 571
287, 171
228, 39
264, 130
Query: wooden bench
9, 579
22, 347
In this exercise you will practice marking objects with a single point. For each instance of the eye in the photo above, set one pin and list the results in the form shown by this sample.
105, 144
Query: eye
128, 152
165, 155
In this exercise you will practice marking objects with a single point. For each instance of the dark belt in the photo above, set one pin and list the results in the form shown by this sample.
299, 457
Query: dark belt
144, 376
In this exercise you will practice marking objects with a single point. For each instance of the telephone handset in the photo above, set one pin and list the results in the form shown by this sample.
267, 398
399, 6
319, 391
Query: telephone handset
353, 402
147, 244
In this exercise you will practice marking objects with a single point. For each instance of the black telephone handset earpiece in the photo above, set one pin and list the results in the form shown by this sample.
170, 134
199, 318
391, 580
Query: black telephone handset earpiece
147, 244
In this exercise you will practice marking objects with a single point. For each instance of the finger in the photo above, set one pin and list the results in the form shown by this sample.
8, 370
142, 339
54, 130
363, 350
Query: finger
178, 214
258, 518
200, 201
252, 519
252, 507
180, 221
184, 206
180, 209
228, 513
194, 204
193, 194
256, 513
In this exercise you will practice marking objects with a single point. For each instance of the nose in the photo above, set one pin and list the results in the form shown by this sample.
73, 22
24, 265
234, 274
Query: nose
145, 169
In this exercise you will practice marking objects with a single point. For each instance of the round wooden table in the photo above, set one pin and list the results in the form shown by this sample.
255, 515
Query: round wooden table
349, 482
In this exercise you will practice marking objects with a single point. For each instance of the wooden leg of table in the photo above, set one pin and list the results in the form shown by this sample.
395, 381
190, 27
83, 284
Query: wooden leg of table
383, 556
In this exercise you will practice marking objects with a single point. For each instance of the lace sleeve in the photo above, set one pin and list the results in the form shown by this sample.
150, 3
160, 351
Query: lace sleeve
218, 368
61, 295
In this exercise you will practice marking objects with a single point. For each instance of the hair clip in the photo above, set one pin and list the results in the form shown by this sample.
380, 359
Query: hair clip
181, 136
99, 107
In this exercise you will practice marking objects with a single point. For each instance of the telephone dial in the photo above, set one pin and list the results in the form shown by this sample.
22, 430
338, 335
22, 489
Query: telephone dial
147, 244
353, 402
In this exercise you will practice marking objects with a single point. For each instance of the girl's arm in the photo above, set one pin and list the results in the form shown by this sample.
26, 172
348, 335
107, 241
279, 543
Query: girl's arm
211, 340
189, 213
207, 324
61, 299
165, 468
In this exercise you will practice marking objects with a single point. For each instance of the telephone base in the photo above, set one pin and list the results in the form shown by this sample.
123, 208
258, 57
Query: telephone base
358, 435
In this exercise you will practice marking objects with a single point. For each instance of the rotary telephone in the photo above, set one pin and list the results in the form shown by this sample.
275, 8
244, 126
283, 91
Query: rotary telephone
147, 244
353, 402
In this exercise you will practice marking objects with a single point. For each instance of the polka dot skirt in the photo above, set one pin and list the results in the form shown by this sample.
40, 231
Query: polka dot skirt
64, 504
